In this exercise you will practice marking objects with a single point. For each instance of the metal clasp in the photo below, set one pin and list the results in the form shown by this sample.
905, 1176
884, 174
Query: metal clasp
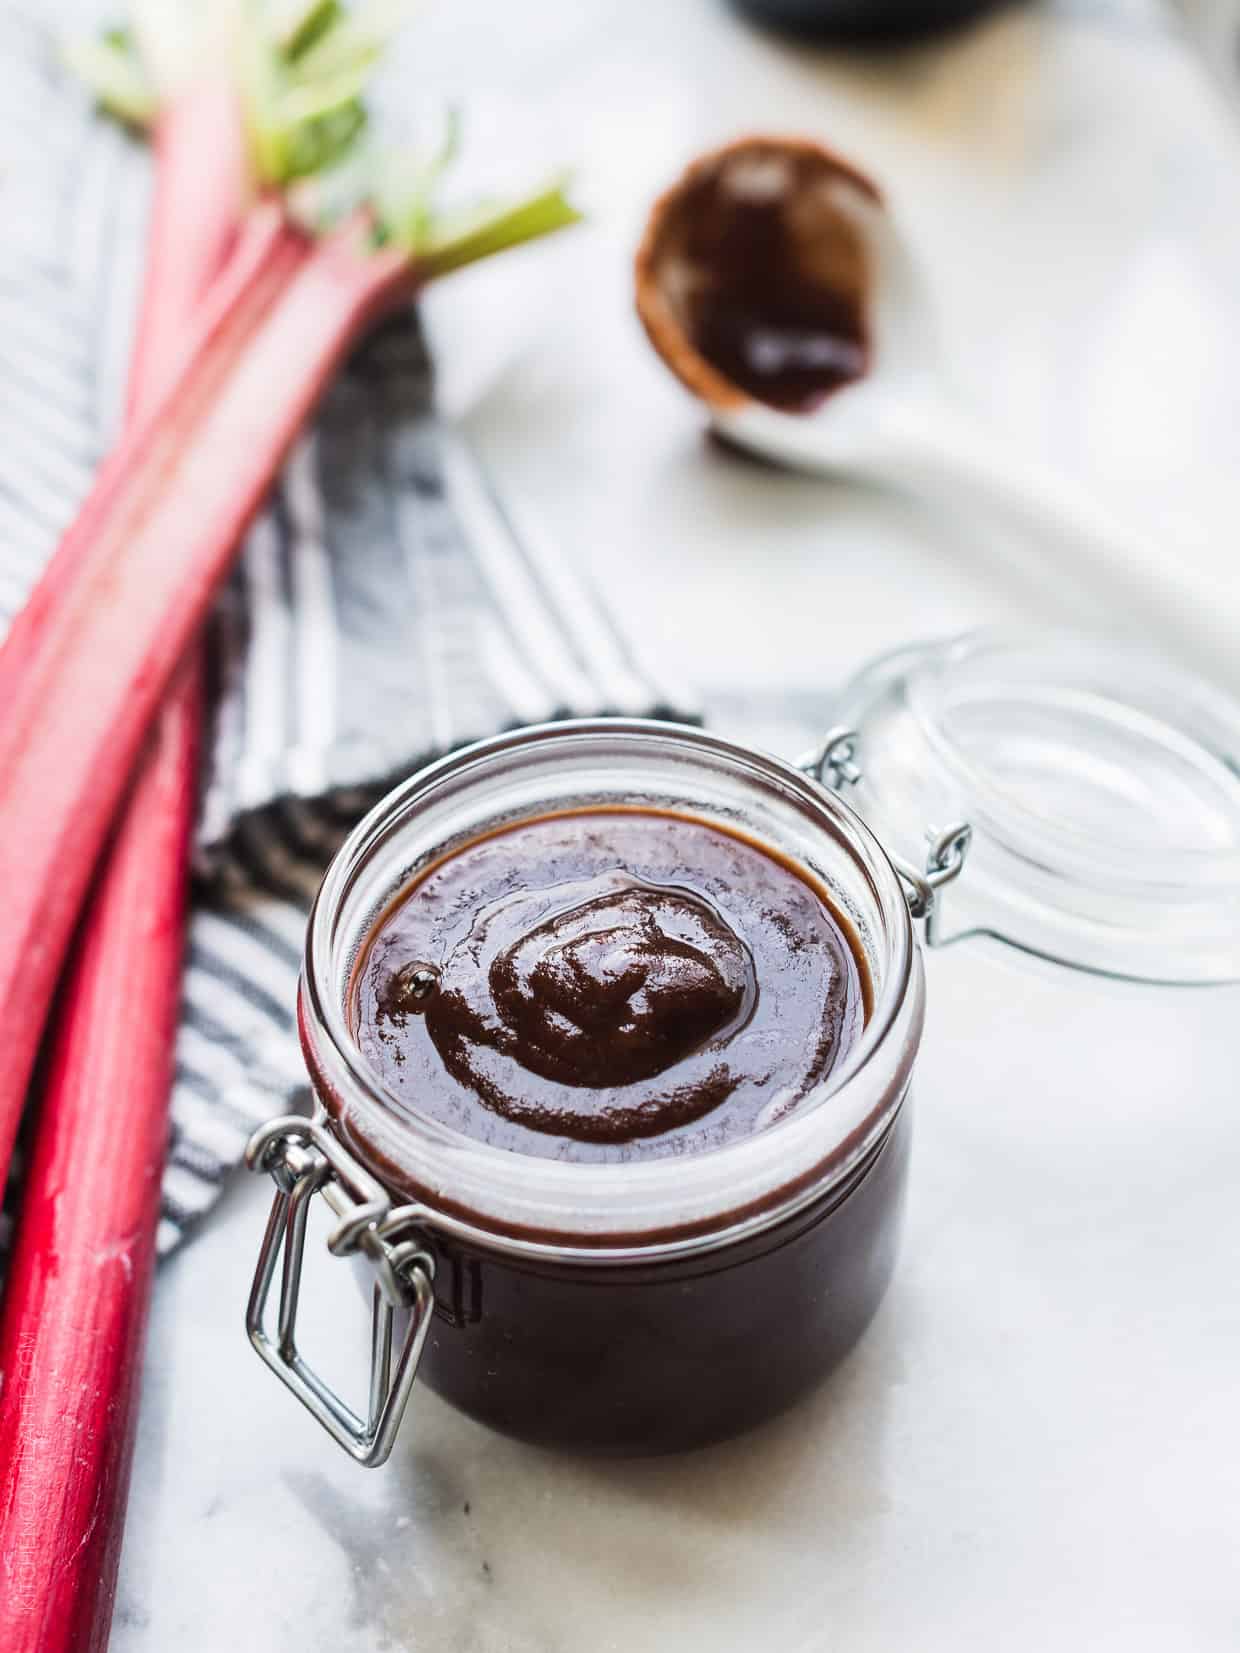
303, 1158
833, 764
945, 857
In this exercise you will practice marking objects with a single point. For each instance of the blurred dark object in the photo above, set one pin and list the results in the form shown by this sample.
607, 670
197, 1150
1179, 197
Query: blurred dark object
868, 21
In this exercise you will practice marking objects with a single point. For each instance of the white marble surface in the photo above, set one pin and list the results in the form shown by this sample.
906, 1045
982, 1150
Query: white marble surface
1037, 1445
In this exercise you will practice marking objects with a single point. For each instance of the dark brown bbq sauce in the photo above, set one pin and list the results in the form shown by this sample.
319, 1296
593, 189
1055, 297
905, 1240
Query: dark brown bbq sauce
608, 985
777, 298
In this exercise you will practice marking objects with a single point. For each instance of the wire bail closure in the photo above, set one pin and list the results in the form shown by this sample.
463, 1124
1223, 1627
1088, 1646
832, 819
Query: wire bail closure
833, 764
303, 1158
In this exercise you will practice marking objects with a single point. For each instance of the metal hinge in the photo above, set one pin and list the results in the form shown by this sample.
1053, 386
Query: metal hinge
833, 764
303, 1158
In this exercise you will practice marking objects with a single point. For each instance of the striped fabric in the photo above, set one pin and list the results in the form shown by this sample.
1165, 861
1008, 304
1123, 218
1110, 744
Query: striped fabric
385, 609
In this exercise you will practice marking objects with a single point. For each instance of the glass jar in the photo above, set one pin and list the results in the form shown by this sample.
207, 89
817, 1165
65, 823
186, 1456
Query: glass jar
1091, 798
616, 1307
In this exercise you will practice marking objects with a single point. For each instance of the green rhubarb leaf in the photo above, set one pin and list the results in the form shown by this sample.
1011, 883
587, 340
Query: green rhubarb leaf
112, 70
304, 78
402, 195
293, 128
303, 69
322, 143
453, 240
298, 27
354, 37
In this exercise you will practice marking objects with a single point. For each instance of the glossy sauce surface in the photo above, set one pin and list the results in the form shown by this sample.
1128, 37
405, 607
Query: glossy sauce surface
608, 985
775, 280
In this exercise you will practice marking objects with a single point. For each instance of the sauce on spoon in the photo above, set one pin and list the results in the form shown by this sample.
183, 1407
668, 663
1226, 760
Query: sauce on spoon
753, 280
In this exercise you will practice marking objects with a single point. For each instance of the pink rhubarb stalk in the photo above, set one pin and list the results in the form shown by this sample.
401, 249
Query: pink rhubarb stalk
79, 1282
149, 549
203, 120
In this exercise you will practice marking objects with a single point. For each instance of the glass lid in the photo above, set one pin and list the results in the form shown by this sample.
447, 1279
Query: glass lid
1098, 789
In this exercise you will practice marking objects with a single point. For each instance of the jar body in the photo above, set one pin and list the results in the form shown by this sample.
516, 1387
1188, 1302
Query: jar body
633, 1306
660, 1357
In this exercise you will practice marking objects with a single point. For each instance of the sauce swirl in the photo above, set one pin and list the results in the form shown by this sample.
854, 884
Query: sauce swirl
608, 984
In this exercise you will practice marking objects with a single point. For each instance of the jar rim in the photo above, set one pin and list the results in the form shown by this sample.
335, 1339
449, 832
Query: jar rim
801, 1157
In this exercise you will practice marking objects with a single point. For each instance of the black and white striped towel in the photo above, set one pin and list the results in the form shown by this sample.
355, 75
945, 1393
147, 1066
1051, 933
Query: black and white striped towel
385, 608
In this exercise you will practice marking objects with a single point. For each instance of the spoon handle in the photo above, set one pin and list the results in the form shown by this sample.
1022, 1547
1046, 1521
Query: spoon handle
1100, 563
